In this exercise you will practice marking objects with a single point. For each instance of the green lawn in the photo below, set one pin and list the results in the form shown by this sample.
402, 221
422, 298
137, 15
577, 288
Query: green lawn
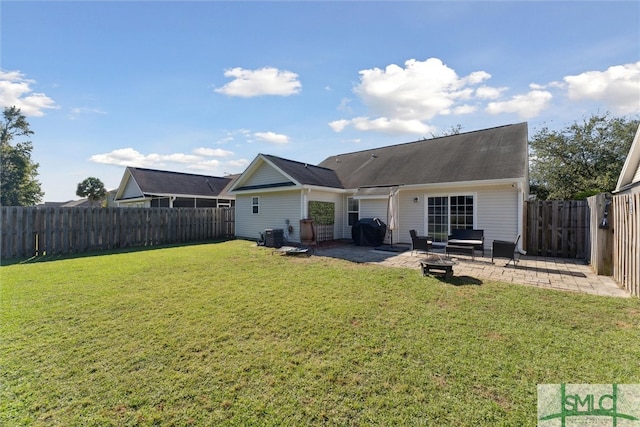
229, 334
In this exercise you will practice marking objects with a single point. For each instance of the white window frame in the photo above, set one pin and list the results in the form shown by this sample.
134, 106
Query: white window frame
255, 205
449, 196
349, 212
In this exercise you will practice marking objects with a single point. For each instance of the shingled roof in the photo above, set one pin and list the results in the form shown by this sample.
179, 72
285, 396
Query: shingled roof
496, 153
159, 182
306, 174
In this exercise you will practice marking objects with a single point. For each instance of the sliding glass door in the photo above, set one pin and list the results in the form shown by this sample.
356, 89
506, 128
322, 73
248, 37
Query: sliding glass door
446, 213
438, 218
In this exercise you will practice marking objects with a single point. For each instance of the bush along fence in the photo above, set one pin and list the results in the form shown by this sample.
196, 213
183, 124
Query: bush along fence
557, 228
37, 231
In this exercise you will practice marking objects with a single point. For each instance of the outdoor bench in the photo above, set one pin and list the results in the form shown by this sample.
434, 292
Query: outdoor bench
467, 237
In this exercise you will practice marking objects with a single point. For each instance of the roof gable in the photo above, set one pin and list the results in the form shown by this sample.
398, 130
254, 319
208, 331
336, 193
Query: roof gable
267, 171
630, 173
490, 154
305, 173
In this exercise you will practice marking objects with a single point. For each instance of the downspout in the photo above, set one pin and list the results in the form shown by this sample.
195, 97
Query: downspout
520, 195
171, 199
304, 212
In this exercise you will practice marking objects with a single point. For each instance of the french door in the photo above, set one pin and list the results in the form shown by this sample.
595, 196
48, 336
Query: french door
446, 213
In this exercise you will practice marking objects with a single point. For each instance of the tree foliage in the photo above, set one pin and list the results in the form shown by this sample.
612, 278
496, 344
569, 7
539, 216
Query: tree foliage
18, 173
91, 188
582, 159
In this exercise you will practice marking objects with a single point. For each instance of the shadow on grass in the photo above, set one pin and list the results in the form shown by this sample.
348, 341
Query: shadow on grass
60, 257
459, 280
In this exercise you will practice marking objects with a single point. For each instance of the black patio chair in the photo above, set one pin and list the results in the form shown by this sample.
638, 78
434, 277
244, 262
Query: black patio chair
420, 243
505, 249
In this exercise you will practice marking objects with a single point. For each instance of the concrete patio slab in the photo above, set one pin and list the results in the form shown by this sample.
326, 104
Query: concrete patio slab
550, 273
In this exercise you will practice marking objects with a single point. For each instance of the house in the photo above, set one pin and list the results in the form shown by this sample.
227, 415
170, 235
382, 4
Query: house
157, 188
473, 180
83, 203
629, 180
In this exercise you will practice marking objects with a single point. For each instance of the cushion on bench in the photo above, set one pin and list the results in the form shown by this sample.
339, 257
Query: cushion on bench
457, 237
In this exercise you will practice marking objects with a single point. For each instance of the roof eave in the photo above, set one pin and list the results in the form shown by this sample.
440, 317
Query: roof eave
474, 183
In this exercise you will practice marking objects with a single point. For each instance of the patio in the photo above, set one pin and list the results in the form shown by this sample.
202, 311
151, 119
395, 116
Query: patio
551, 273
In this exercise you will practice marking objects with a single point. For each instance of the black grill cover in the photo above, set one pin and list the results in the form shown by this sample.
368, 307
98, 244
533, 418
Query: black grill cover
368, 232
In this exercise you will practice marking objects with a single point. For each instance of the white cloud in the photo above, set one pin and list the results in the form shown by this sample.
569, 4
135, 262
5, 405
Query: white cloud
384, 125
79, 111
464, 109
618, 87
15, 90
205, 166
200, 159
123, 157
212, 152
272, 137
486, 92
420, 91
238, 164
344, 105
526, 106
265, 81
339, 125
405, 98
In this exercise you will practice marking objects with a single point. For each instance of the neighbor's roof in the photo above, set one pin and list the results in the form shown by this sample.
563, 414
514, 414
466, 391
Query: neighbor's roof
496, 153
159, 182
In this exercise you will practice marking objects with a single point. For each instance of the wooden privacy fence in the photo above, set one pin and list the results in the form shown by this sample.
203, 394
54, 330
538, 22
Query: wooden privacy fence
557, 228
599, 251
34, 231
626, 241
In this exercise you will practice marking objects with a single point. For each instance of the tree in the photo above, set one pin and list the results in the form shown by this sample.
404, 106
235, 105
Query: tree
18, 173
91, 188
582, 159
453, 130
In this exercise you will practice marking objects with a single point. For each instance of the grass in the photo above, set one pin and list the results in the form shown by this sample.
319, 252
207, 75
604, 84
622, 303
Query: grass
229, 334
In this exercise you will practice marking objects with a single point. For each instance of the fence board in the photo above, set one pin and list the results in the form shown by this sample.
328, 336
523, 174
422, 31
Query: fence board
557, 228
626, 239
33, 231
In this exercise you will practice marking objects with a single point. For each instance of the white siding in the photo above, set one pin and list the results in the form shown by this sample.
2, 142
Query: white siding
136, 204
412, 216
131, 190
496, 212
374, 208
275, 209
265, 174
636, 176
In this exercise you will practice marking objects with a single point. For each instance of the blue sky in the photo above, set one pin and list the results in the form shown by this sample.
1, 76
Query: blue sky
205, 86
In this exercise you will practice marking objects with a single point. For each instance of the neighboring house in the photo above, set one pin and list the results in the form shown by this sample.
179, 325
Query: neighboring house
83, 203
629, 180
474, 180
156, 188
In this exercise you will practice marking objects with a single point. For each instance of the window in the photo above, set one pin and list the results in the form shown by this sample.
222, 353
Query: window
255, 205
461, 212
353, 210
446, 213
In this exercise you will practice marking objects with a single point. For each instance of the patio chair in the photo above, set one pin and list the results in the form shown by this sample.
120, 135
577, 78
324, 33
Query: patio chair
420, 243
505, 249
